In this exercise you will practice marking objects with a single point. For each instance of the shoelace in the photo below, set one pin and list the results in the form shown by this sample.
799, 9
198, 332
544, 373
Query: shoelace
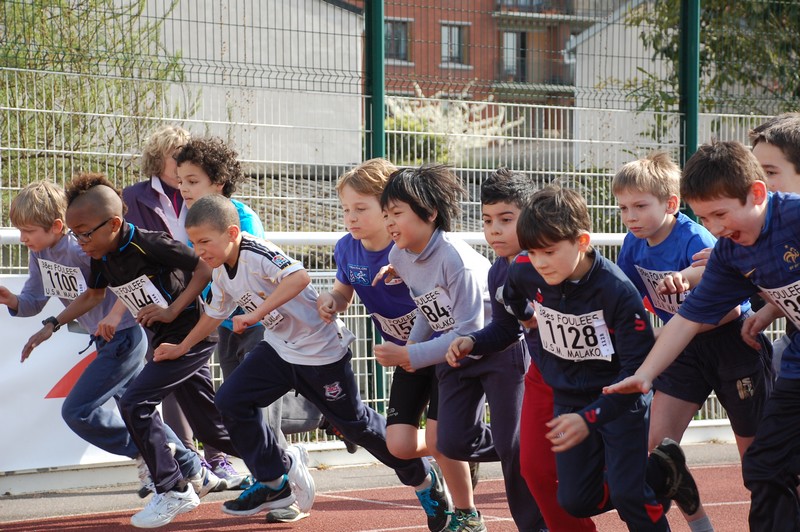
458, 519
225, 466
249, 492
428, 504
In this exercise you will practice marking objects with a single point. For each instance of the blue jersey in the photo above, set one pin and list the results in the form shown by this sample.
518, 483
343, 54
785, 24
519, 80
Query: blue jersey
390, 305
646, 265
770, 266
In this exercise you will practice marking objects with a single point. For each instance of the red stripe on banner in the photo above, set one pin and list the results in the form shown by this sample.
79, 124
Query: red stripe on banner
65, 385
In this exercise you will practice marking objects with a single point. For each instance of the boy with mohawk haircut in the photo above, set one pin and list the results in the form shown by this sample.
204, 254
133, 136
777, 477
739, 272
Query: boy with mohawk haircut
58, 268
148, 273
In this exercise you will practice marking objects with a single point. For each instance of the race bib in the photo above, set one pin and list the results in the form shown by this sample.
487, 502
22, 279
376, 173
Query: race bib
250, 302
437, 309
139, 293
666, 302
574, 337
398, 328
787, 298
66, 282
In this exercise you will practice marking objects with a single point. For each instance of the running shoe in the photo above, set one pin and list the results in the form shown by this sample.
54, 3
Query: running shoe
164, 507
225, 471
300, 478
462, 521
260, 497
436, 501
205, 481
680, 485
290, 514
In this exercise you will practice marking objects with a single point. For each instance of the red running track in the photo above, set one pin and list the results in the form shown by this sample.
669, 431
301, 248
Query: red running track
395, 509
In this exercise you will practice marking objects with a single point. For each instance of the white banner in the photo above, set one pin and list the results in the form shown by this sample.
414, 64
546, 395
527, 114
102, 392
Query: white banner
31, 394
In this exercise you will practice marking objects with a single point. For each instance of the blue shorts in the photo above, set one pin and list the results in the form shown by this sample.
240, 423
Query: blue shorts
719, 360
411, 392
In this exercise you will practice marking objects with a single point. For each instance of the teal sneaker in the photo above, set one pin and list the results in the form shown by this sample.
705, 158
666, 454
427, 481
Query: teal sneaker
436, 501
462, 521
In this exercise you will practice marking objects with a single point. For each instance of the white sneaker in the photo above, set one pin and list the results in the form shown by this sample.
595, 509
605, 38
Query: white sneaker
146, 486
301, 480
204, 482
163, 508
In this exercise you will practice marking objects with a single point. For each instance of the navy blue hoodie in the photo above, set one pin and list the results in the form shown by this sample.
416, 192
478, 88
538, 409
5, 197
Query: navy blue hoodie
594, 332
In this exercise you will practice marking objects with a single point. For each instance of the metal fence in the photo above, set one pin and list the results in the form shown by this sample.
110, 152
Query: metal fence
566, 90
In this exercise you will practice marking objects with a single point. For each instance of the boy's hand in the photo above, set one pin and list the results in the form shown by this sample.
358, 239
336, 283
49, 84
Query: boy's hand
752, 327
633, 384
33, 342
459, 348
152, 313
107, 327
530, 323
701, 258
566, 431
326, 305
390, 354
167, 351
673, 283
243, 321
387, 271
8, 298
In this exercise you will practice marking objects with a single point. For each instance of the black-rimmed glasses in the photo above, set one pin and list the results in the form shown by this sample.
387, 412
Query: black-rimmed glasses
85, 238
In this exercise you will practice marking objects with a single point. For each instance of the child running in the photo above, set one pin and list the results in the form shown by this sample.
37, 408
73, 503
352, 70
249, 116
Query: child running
447, 282
360, 256
156, 204
301, 352
59, 268
758, 235
524, 404
594, 332
776, 145
662, 241
148, 272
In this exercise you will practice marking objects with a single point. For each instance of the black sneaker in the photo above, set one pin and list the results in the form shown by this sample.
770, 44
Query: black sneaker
260, 497
680, 485
436, 501
290, 514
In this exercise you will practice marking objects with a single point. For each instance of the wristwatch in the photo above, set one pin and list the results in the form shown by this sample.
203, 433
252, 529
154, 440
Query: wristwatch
52, 321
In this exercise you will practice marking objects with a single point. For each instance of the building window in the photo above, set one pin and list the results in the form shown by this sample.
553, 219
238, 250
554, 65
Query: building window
514, 53
454, 44
396, 39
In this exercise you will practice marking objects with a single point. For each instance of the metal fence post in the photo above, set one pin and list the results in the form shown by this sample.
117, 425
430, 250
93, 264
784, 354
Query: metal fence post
375, 78
689, 77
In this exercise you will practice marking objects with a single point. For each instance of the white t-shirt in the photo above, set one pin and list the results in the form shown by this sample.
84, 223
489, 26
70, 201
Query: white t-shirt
294, 329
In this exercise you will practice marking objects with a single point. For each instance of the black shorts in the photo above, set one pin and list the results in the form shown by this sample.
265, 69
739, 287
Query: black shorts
719, 360
411, 392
